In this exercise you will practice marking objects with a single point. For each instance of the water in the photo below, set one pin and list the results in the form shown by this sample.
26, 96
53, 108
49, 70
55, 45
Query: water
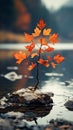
13, 77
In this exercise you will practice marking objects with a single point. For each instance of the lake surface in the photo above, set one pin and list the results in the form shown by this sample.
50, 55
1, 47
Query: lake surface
59, 80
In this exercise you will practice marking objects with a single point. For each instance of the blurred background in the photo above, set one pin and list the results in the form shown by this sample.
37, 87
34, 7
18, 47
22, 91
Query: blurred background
19, 16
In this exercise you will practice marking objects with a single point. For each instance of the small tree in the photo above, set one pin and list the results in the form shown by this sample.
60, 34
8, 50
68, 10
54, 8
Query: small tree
42, 36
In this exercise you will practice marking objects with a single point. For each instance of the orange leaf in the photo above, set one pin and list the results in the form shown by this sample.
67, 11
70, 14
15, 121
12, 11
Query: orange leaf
58, 59
28, 38
19, 57
46, 32
30, 47
49, 49
53, 65
32, 66
43, 41
41, 24
33, 55
43, 62
49, 58
37, 32
53, 38
40, 50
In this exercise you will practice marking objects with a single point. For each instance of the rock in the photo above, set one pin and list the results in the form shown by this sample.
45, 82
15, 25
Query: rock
69, 105
65, 127
61, 124
26, 97
67, 83
32, 103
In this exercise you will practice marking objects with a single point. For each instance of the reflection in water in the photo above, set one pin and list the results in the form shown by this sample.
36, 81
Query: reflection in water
22, 70
53, 74
27, 113
12, 76
12, 68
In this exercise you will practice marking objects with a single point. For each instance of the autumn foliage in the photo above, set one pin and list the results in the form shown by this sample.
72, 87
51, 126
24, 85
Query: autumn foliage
46, 41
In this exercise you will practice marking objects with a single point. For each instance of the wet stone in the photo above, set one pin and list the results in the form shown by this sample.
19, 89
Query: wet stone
69, 105
61, 124
23, 98
26, 104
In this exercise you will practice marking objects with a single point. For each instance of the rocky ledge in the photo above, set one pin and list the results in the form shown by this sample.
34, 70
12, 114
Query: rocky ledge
32, 103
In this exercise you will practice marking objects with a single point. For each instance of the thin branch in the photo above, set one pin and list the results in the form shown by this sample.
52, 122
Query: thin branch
37, 74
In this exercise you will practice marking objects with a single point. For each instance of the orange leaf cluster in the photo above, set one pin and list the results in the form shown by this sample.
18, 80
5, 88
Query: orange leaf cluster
46, 32
53, 65
41, 24
37, 32
43, 62
32, 66
58, 59
28, 38
30, 47
19, 57
44, 36
49, 49
43, 41
49, 58
53, 38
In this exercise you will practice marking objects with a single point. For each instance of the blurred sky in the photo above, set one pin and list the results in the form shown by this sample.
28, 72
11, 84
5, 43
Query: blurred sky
55, 4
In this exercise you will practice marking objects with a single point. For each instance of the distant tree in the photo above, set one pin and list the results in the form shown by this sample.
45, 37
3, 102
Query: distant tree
9, 15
